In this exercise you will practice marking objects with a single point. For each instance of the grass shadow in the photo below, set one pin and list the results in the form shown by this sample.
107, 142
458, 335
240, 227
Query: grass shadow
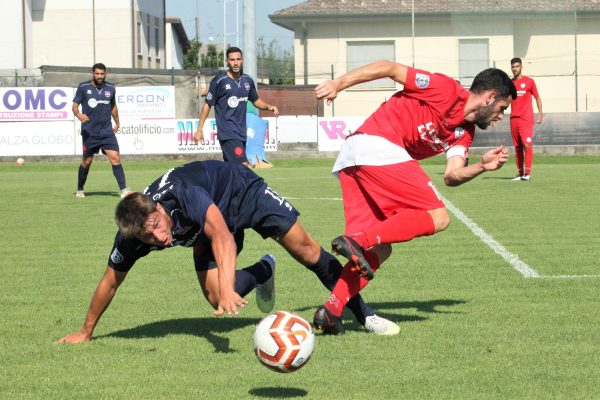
383, 310
108, 194
278, 392
207, 328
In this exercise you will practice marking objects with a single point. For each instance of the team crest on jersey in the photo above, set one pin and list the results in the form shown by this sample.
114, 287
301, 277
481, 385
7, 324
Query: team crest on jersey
422, 80
209, 96
107, 94
116, 256
523, 85
458, 132
247, 86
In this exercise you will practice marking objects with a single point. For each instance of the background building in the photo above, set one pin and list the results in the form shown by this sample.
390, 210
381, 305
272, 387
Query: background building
119, 33
557, 40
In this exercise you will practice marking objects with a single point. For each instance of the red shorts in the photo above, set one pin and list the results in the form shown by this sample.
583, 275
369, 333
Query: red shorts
373, 193
522, 131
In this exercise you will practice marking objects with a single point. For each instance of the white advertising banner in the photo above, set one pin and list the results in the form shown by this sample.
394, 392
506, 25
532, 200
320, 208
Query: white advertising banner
36, 103
145, 102
37, 138
186, 128
331, 132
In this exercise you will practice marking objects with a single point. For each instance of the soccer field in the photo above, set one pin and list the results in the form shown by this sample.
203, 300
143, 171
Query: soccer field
504, 304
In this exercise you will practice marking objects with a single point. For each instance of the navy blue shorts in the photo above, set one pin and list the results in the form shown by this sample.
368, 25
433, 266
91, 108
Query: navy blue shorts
234, 150
261, 209
93, 144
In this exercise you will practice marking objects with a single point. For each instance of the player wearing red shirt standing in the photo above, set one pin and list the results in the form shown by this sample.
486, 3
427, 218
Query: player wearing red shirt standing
521, 119
388, 197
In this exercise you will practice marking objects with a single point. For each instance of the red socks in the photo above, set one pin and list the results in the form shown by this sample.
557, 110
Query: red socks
401, 227
348, 285
528, 159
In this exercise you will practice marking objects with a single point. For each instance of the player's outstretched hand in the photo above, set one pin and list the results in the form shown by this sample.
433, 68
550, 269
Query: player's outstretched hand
495, 158
77, 337
228, 304
327, 90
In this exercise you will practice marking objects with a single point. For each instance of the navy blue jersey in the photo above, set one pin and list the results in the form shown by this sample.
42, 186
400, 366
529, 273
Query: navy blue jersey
230, 98
187, 191
97, 104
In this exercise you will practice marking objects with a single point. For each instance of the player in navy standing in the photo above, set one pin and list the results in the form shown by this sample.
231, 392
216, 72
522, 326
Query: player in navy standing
98, 106
229, 92
207, 205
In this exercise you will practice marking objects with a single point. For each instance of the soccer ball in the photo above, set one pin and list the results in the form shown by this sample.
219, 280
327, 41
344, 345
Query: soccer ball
283, 341
20, 161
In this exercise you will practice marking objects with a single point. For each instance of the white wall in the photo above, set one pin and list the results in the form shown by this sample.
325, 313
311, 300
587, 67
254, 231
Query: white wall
11, 36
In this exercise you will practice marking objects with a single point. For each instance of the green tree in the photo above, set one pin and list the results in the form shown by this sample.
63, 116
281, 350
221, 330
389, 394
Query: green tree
212, 58
274, 63
190, 60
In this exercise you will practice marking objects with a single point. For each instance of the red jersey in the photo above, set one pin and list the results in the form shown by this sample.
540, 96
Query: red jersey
425, 118
521, 106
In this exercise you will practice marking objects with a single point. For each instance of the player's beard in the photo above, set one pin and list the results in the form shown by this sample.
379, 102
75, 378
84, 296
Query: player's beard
483, 116
241, 71
98, 82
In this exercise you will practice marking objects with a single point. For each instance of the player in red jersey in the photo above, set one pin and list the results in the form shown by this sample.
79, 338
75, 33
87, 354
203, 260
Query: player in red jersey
388, 198
521, 119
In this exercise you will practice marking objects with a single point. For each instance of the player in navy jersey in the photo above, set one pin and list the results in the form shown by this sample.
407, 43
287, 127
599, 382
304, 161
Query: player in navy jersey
229, 92
207, 205
98, 106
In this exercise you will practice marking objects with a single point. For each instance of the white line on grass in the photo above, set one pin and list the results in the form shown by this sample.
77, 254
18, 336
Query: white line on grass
510, 258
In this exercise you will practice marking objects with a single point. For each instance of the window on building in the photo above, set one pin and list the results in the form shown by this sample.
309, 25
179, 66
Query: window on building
156, 38
363, 53
473, 56
138, 34
148, 40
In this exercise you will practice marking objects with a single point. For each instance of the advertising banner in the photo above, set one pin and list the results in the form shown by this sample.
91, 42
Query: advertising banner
186, 128
145, 102
37, 138
36, 103
331, 132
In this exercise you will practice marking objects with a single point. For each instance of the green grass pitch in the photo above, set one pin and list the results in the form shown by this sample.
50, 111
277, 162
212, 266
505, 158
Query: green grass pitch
472, 325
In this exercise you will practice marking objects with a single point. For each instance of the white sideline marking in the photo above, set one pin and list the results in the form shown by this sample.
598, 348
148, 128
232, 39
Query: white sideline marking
510, 258
569, 276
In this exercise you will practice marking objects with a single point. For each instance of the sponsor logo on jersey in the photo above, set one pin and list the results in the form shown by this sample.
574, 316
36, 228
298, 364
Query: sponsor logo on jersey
116, 256
458, 132
422, 80
227, 86
233, 101
89, 91
93, 102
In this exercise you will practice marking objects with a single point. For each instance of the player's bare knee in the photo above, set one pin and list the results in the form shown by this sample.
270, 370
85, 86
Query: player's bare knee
441, 219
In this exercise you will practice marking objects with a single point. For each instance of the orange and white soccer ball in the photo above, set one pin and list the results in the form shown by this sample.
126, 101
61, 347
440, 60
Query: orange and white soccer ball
283, 341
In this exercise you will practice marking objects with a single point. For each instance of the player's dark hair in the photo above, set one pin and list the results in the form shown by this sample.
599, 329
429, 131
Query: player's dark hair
516, 60
494, 79
99, 66
233, 50
132, 213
